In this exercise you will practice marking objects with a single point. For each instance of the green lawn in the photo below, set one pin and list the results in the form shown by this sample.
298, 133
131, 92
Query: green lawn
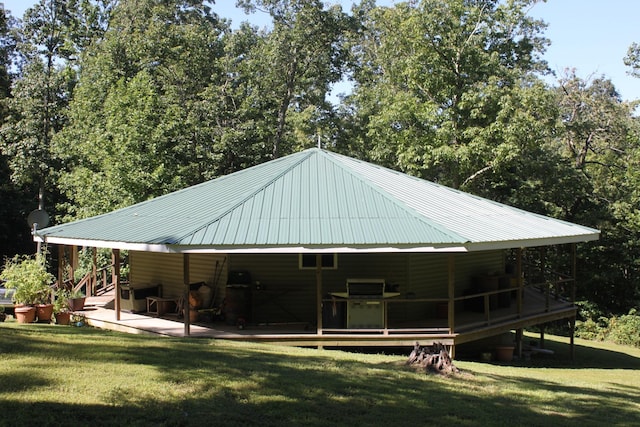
85, 376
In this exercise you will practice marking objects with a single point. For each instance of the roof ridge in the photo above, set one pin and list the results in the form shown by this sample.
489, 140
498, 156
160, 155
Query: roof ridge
259, 189
385, 194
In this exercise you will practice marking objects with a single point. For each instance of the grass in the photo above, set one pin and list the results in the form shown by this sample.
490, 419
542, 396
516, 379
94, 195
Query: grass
85, 376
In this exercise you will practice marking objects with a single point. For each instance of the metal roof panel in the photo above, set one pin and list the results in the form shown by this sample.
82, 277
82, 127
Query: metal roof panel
318, 198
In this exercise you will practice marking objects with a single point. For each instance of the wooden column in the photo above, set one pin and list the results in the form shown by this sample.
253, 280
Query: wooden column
94, 272
319, 293
60, 266
572, 347
115, 277
543, 275
451, 292
519, 336
574, 272
186, 306
520, 281
73, 264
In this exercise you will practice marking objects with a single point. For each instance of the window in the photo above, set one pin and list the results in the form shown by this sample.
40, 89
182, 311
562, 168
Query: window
308, 261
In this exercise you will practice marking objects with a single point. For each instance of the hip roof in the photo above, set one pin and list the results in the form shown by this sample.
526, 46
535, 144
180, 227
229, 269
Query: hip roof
316, 200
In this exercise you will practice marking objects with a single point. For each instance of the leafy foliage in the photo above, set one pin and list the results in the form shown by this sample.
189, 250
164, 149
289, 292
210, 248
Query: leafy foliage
624, 329
30, 279
14, 232
599, 135
134, 130
438, 83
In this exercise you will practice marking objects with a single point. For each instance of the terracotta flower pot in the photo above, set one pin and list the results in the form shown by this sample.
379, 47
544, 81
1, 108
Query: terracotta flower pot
504, 354
44, 312
25, 314
63, 318
76, 304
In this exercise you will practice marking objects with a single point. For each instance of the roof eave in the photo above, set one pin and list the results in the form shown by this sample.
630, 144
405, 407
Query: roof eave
532, 243
170, 248
466, 247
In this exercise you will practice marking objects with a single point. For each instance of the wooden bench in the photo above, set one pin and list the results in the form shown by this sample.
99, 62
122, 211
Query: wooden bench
160, 305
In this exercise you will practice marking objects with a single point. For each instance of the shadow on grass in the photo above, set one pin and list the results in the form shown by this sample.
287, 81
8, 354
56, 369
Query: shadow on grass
204, 382
585, 357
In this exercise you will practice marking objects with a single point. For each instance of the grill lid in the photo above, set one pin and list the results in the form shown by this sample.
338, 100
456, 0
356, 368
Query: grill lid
370, 288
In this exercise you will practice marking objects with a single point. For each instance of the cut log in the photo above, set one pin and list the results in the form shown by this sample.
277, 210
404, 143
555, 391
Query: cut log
432, 358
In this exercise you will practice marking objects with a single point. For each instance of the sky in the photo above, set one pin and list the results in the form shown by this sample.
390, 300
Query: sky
591, 36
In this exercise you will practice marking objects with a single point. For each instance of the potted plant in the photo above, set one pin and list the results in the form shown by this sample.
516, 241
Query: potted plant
29, 277
61, 307
76, 300
44, 312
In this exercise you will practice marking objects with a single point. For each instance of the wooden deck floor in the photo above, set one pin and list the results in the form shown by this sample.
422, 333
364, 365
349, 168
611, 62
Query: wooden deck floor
469, 327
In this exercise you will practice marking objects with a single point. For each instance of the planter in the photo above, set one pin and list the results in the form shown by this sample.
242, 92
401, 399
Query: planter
25, 314
63, 318
44, 312
504, 354
76, 304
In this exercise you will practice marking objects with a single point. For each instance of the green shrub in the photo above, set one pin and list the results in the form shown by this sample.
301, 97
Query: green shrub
625, 329
591, 330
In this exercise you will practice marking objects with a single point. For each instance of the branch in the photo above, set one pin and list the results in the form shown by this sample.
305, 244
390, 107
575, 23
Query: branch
476, 174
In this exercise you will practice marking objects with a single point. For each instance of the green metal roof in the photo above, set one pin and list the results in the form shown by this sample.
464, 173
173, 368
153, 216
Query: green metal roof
317, 200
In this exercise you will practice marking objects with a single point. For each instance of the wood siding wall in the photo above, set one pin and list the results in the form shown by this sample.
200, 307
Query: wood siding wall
288, 294
150, 268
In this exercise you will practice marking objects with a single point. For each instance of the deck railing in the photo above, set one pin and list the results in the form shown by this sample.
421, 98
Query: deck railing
471, 310
96, 283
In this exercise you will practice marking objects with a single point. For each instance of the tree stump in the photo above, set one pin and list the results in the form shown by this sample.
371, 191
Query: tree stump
434, 358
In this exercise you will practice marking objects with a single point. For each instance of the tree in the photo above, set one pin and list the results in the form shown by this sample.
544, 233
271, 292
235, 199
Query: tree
632, 60
438, 86
40, 92
600, 135
14, 233
135, 129
297, 62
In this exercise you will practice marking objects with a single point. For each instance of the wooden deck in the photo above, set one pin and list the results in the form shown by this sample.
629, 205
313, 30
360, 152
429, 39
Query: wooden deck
470, 326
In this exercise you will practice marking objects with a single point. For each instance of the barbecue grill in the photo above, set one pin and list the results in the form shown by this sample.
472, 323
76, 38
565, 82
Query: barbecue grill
365, 303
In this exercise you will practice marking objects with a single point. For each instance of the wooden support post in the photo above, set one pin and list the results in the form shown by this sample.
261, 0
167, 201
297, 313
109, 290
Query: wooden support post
487, 305
451, 293
385, 324
94, 272
186, 306
60, 266
519, 335
572, 347
520, 281
542, 327
547, 285
319, 293
574, 272
115, 277
73, 264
